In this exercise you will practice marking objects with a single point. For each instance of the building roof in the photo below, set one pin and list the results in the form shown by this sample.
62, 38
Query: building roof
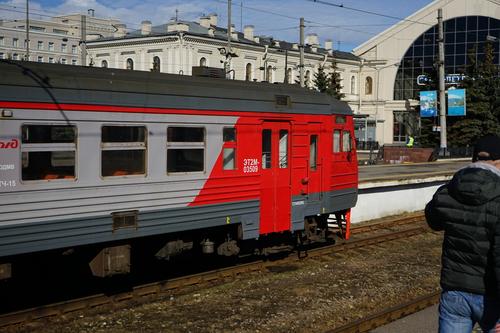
219, 33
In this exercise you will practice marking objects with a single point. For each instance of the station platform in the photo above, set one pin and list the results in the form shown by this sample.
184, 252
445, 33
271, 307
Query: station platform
425, 321
393, 189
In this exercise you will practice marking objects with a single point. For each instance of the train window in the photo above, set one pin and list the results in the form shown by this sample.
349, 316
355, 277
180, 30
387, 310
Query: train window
229, 134
346, 141
340, 119
336, 141
283, 151
313, 152
185, 149
229, 151
123, 151
266, 149
48, 152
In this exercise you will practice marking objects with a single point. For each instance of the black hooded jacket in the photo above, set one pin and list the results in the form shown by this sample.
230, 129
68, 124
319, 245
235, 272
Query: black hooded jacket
468, 210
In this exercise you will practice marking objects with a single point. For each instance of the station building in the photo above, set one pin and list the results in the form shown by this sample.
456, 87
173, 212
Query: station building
402, 54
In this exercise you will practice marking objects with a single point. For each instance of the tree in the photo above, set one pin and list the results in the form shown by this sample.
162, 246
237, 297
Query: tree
334, 88
482, 86
321, 80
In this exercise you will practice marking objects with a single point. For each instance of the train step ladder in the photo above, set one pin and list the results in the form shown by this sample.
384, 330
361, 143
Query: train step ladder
340, 224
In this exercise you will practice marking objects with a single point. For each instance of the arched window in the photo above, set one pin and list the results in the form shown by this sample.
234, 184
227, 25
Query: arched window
203, 62
269, 74
289, 77
353, 85
308, 79
104, 64
130, 64
248, 72
368, 85
156, 64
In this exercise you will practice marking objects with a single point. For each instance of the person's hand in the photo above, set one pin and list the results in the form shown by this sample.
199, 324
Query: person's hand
497, 328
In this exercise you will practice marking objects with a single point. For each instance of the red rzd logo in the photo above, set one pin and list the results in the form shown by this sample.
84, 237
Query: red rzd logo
12, 144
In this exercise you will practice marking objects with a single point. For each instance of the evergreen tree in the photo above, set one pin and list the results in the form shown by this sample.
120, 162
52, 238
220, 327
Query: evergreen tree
320, 80
334, 88
482, 86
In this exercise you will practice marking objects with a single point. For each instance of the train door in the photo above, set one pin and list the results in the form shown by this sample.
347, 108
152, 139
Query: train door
275, 178
344, 158
315, 165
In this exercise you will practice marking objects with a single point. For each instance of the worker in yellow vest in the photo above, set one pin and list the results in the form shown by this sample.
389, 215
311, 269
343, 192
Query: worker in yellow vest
409, 142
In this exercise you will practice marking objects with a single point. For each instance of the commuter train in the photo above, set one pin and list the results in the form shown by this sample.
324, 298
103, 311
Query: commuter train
115, 161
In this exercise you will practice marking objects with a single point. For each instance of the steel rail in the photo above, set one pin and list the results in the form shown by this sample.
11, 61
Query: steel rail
140, 294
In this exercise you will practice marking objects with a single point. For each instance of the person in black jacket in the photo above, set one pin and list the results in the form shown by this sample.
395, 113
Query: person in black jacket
468, 210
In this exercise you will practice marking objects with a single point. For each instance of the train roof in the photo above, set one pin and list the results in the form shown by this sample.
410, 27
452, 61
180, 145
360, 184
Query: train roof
65, 84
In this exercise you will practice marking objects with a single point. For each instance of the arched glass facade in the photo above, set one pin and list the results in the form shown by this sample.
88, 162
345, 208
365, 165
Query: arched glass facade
461, 35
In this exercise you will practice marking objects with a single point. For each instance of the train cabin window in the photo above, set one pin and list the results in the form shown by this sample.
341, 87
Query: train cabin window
336, 141
266, 149
313, 152
229, 150
48, 152
340, 119
283, 149
185, 149
346, 141
123, 151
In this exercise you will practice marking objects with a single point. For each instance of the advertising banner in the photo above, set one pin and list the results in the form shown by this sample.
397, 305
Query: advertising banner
428, 103
456, 102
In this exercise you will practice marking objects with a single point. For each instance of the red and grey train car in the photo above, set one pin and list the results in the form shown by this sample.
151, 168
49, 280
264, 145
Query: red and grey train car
109, 159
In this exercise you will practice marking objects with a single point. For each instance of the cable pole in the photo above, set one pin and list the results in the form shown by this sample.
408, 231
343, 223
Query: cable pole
227, 64
84, 40
442, 97
301, 48
27, 30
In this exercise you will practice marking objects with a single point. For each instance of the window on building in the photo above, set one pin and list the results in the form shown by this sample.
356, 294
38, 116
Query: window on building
229, 151
61, 32
2, 55
368, 85
51, 60
64, 48
2, 41
104, 64
74, 62
123, 150
269, 74
203, 62
15, 42
39, 45
51, 46
129, 64
185, 149
15, 56
74, 49
63, 61
353, 85
308, 78
156, 64
399, 126
40, 59
48, 152
248, 72
289, 77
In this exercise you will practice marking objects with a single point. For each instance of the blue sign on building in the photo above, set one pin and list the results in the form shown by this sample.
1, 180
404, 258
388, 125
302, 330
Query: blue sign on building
428, 103
456, 102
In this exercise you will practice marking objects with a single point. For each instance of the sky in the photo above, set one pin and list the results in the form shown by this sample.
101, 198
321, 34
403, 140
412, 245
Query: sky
348, 26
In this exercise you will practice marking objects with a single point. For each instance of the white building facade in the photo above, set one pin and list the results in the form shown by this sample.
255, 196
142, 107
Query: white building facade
396, 57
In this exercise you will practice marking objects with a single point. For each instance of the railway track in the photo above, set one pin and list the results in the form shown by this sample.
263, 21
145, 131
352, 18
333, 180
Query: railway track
153, 291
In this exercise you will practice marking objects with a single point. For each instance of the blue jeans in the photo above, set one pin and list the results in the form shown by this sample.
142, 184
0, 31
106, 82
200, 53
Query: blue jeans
459, 311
